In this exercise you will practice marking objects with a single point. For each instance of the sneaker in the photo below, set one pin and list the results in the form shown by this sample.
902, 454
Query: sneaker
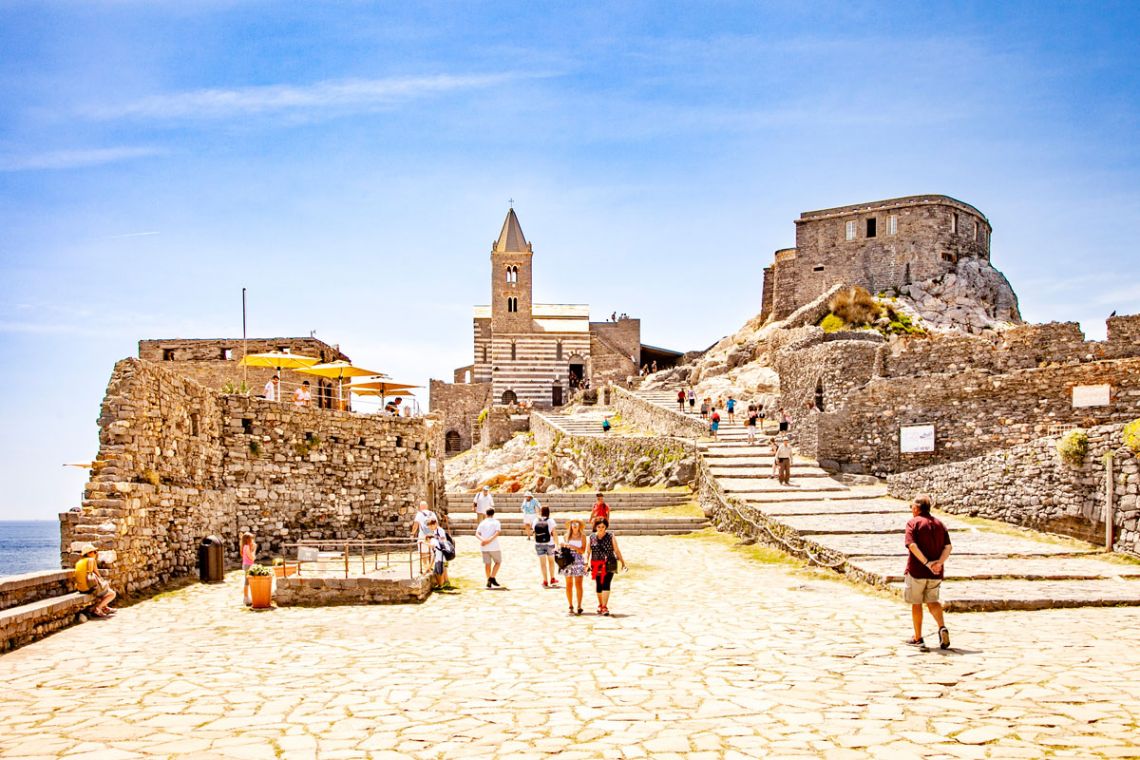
915, 642
494, 582
944, 637
545, 584
554, 584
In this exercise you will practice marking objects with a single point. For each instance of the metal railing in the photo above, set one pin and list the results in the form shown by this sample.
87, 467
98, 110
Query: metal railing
353, 557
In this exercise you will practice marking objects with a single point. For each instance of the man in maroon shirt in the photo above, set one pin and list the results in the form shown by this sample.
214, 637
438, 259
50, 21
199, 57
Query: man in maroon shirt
601, 510
928, 546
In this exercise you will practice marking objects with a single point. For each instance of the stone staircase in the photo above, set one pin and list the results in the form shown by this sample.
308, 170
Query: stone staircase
858, 530
35, 605
627, 515
583, 422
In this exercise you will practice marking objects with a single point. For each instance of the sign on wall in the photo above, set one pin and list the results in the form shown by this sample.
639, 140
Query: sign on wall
915, 439
1091, 395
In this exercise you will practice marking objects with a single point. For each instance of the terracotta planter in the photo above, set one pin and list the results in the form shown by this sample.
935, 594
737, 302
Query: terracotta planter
261, 591
284, 571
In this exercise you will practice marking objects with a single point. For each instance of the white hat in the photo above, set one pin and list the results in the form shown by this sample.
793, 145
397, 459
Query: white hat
528, 493
486, 488
87, 549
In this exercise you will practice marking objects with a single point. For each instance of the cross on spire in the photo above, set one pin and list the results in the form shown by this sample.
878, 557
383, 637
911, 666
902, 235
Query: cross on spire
511, 201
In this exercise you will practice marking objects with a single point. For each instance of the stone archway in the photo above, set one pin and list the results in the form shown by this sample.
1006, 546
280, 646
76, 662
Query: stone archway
509, 398
453, 442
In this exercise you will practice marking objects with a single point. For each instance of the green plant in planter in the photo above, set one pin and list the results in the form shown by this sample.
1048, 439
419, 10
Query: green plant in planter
278, 561
259, 570
1132, 436
1073, 447
238, 388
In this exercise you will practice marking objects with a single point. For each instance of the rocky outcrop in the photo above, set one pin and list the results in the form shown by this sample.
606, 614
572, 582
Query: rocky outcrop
972, 299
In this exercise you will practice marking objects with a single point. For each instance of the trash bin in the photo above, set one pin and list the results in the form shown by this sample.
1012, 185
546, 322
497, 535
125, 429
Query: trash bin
211, 560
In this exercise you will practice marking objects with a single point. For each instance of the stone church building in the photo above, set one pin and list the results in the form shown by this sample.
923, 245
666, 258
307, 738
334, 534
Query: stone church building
529, 353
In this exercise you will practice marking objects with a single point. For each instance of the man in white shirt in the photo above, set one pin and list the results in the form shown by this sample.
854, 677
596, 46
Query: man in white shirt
302, 396
488, 535
482, 502
271, 388
420, 532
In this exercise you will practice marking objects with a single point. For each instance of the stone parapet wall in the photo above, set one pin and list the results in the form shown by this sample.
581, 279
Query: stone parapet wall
35, 620
1029, 485
178, 462
649, 416
973, 412
297, 591
16, 590
458, 405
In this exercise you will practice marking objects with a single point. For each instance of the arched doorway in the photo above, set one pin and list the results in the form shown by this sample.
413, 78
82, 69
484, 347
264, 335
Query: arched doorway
576, 371
452, 441
509, 398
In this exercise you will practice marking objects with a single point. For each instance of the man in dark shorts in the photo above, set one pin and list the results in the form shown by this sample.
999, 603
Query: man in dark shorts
928, 547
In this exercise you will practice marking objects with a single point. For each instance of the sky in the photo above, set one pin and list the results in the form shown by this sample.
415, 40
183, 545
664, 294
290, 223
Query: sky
351, 163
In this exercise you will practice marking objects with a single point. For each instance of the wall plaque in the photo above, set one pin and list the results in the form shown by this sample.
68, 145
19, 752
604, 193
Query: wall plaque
1091, 395
915, 439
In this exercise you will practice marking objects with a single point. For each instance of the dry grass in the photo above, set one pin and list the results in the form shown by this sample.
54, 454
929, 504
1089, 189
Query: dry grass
855, 306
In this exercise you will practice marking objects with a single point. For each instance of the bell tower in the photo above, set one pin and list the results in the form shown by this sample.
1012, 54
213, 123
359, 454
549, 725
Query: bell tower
511, 291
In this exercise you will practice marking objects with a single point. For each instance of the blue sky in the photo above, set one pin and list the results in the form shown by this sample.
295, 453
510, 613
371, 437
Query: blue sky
350, 164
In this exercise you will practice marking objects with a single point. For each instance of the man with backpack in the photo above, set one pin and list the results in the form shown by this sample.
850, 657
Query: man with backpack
442, 551
544, 532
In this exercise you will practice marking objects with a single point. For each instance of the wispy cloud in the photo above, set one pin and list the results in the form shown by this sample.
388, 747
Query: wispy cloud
130, 235
344, 94
74, 159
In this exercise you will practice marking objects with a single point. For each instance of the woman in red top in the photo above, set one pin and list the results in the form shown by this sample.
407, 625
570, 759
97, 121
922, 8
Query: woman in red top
601, 510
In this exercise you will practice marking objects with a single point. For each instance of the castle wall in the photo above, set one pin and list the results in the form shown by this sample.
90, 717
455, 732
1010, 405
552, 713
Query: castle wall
973, 412
458, 406
766, 293
178, 461
1029, 485
615, 350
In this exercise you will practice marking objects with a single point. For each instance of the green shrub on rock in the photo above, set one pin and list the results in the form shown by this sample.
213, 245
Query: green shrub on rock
1132, 436
832, 323
855, 306
1073, 447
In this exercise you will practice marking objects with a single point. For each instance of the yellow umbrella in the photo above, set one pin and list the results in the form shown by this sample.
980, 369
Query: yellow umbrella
340, 369
279, 360
402, 391
382, 385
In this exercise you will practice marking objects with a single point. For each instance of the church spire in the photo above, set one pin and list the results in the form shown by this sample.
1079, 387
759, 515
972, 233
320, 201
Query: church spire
511, 239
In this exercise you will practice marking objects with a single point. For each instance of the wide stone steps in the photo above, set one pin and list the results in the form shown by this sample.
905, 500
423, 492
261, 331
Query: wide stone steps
460, 503
462, 525
990, 568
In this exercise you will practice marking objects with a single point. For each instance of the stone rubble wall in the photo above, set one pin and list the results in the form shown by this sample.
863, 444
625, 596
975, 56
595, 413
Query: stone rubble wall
296, 591
1029, 485
24, 588
178, 462
459, 405
973, 412
649, 416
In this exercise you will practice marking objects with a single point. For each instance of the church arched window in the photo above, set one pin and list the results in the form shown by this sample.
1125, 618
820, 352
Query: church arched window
512, 304
558, 351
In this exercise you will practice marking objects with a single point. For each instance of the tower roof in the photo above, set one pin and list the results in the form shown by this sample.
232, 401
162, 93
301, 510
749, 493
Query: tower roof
511, 239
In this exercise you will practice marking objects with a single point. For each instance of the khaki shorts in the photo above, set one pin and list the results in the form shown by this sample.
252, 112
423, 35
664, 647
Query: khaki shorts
921, 590
492, 558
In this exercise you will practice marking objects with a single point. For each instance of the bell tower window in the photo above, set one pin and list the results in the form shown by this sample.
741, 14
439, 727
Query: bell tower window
512, 304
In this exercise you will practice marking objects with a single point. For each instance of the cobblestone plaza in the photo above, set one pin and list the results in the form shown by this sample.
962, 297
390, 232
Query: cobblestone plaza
711, 653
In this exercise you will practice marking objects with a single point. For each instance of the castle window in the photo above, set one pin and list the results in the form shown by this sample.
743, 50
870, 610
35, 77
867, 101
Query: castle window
977, 232
893, 225
872, 227
817, 268
558, 351
168, 354
227, 353
850, 230
954, 224
514, 351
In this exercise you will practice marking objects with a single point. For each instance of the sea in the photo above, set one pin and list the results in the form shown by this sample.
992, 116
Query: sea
28, 545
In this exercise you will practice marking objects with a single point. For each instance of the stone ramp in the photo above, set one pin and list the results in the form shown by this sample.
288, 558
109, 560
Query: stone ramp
859, 531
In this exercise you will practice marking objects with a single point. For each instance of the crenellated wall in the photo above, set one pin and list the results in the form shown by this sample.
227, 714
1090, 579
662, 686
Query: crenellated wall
178, 462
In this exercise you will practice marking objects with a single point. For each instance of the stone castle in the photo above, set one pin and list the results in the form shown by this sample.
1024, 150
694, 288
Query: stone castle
887, 245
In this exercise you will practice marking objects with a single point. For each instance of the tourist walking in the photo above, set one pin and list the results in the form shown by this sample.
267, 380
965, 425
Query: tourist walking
681, 401
600, 510
692, 400
545, 530
928, 547
442, 548
488, 535
575, 542
714, 424
89, 580
420, 532
482, 502
604, 556
784, 460
529, 508
248, 557
705, 409
606, 425
730, 408
785, 421
760, 419
750, 426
